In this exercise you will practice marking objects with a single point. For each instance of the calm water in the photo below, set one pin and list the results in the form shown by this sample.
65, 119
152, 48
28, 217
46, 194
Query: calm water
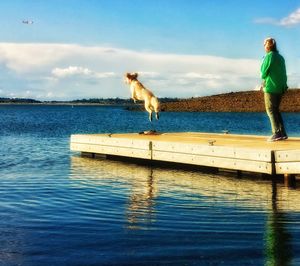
57, 208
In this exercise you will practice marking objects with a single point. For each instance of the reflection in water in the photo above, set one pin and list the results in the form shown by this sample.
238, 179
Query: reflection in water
143, 180
141, 204
140, 182
277, 239
146, 188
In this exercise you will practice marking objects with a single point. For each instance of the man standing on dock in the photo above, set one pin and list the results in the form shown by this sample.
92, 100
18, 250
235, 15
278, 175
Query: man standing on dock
273, 74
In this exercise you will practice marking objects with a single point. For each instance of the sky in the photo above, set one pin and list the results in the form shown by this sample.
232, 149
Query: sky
76, 49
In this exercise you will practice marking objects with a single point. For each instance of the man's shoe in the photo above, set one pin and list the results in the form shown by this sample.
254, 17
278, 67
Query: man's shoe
275, 137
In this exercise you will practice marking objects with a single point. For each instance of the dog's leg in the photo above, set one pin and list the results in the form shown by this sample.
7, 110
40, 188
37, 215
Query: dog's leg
155, 106
150, 116
149, 110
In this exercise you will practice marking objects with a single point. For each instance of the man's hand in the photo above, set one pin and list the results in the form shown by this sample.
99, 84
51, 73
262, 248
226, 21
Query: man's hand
262, 85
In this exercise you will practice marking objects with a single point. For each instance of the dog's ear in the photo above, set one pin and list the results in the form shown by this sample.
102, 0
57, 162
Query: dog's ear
134, 75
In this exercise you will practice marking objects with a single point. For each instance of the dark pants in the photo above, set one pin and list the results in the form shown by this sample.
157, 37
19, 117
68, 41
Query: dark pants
272, 103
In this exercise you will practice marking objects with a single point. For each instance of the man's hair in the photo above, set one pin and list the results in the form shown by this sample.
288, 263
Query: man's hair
270, 43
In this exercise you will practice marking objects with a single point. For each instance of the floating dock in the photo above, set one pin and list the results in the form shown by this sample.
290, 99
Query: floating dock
248, 153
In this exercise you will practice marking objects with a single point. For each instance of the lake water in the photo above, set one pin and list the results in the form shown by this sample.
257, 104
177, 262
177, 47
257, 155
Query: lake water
57, 208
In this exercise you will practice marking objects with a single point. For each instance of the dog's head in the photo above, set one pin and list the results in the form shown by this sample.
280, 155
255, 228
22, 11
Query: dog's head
129, 77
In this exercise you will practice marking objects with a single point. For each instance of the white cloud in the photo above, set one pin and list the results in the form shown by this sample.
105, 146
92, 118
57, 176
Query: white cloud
294, 80
193, 75
266, 21
73, 71
291, 20
104, 75
28, 57
49, 94
70, 71
152, 75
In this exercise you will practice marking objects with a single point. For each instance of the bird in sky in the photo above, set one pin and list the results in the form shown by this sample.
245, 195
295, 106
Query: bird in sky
27, 21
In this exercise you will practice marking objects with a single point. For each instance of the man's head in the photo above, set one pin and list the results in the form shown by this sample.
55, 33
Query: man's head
270, 45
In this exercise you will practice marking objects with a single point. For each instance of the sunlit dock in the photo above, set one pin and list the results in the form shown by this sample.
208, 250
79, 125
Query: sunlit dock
247, 153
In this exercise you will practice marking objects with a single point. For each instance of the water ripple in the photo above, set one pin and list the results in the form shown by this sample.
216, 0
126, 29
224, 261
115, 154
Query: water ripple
60, 209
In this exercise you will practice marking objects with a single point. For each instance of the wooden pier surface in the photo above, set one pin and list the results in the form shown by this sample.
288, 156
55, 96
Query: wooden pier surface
237, 152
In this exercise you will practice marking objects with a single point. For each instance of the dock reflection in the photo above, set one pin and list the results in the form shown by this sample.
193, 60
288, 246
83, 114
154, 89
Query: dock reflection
145, 185
146, 182
139, 181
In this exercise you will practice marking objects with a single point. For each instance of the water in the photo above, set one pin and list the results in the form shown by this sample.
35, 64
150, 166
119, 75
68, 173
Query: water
57, 208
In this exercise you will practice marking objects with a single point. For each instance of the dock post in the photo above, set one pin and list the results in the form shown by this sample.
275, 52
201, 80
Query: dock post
151, 150
290, 180
273, 171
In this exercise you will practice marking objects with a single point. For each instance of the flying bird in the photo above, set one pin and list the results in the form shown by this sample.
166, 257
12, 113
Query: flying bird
27, 22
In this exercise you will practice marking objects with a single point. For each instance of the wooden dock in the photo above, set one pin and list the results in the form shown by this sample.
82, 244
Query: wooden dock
227, 151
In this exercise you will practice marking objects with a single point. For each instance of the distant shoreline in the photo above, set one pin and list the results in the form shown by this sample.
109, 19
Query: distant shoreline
245, 101
63, 103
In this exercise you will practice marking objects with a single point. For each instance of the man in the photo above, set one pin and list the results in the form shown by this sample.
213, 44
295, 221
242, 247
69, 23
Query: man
273, 74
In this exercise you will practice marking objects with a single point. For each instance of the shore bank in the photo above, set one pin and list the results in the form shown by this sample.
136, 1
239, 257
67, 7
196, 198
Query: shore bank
247, 101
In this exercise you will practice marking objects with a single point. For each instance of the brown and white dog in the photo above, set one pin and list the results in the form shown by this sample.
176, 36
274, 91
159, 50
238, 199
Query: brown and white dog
139, 92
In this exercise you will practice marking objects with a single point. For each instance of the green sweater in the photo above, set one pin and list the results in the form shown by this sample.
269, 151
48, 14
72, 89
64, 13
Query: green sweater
273, 72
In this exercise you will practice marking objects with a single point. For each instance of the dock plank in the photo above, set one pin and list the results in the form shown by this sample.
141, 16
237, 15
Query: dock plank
213, 150
112, 150
288, 167
211, 161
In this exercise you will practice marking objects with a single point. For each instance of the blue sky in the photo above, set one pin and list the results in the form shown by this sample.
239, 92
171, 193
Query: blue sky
81, 49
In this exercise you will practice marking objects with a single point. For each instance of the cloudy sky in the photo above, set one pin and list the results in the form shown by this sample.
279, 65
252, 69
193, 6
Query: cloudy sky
181, 48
